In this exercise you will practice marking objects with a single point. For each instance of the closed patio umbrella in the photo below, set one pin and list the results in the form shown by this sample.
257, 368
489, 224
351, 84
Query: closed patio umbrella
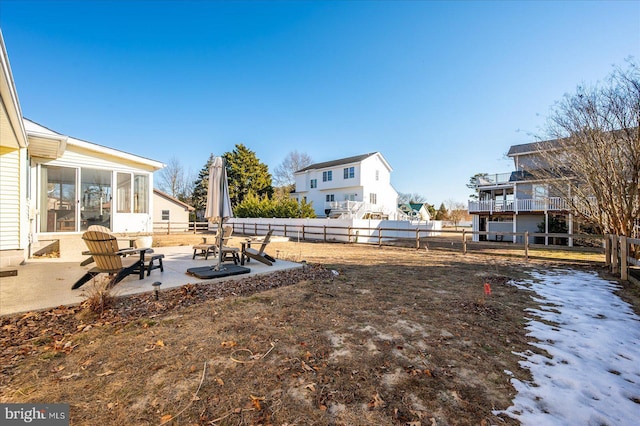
218, 210
218, 207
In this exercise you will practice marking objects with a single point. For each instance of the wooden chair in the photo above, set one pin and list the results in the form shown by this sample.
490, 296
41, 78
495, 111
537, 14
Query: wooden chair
103, 248
204, 249
150, 264
229, 253
259, 255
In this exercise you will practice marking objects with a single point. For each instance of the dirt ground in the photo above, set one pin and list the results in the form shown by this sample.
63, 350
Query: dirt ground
362, 336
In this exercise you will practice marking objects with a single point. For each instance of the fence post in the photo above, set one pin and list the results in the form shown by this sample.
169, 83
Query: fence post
379, 237
607, 251
303, 238
417, 238
624, 266
526, 245
614, 254
285, 230
255, 228
168, 228
325, 233
464, 241
349, 234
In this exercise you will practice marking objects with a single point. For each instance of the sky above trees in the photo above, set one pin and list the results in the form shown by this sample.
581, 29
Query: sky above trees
441, 89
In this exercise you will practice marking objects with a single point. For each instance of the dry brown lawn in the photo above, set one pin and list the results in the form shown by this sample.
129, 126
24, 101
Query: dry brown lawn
363, 336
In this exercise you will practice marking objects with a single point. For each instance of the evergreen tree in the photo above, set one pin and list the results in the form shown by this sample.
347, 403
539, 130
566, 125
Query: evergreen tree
247, 175
442, 213
200, 187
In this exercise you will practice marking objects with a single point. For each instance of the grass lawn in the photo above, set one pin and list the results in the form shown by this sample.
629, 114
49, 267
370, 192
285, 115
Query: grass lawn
364, 335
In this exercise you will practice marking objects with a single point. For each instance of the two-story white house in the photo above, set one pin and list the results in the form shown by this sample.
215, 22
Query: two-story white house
521, 200
357, 187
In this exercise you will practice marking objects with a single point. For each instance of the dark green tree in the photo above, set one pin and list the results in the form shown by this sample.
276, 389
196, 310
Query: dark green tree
473, 181
252, 206
431, 210
247, 175
442, 213
200, 186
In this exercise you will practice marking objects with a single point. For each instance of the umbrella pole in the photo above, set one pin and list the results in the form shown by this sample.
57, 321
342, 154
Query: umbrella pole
220, 232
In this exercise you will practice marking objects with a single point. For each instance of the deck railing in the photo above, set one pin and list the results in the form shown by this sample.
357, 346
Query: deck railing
519, 205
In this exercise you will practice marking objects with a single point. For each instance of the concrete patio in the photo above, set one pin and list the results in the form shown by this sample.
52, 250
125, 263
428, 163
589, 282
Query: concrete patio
44, 283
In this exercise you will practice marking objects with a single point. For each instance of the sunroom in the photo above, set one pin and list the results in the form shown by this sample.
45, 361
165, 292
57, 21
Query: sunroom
74, 184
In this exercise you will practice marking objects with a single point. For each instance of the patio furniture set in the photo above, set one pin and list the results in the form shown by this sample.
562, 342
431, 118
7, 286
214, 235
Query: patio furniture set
119, 263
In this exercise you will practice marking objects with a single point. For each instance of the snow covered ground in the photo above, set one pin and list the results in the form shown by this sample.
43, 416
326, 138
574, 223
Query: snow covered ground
590, 373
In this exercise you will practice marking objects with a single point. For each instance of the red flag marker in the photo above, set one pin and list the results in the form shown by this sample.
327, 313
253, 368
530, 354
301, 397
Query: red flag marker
487, 289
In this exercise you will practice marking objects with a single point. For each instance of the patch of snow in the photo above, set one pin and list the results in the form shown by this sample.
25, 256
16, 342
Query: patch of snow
587, 367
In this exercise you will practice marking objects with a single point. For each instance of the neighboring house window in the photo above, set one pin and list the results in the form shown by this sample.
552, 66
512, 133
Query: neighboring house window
349, 172
373, 199
349, 197
330, 197
314, 183
540, 192
165, 214
327, 176
377, 174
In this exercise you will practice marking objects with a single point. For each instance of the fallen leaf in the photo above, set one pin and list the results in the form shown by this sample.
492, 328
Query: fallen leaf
160, 343
165, 418
376, 402
228, 344
306, 367
220, 381
311, 387
255, 401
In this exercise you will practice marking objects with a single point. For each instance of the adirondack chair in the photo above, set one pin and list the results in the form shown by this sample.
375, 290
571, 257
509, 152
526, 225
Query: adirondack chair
103, 247
259, 255
151, 261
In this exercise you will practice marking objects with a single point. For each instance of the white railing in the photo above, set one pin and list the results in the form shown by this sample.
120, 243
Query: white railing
356, 209
519, 205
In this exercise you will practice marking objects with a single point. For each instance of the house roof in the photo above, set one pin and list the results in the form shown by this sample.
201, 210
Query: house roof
173, 199
40, 136
347, 160
531, 147
9, 98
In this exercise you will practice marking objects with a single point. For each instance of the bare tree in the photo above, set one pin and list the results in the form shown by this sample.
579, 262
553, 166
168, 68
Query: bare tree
294, 161
456, 211
407, 197
592, 157
174, 181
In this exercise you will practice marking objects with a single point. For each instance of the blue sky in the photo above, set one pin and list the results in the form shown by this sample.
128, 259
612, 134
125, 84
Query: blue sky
441, 89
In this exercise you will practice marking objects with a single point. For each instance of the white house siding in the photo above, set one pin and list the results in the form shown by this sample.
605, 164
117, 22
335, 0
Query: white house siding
387, 196
10, 208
